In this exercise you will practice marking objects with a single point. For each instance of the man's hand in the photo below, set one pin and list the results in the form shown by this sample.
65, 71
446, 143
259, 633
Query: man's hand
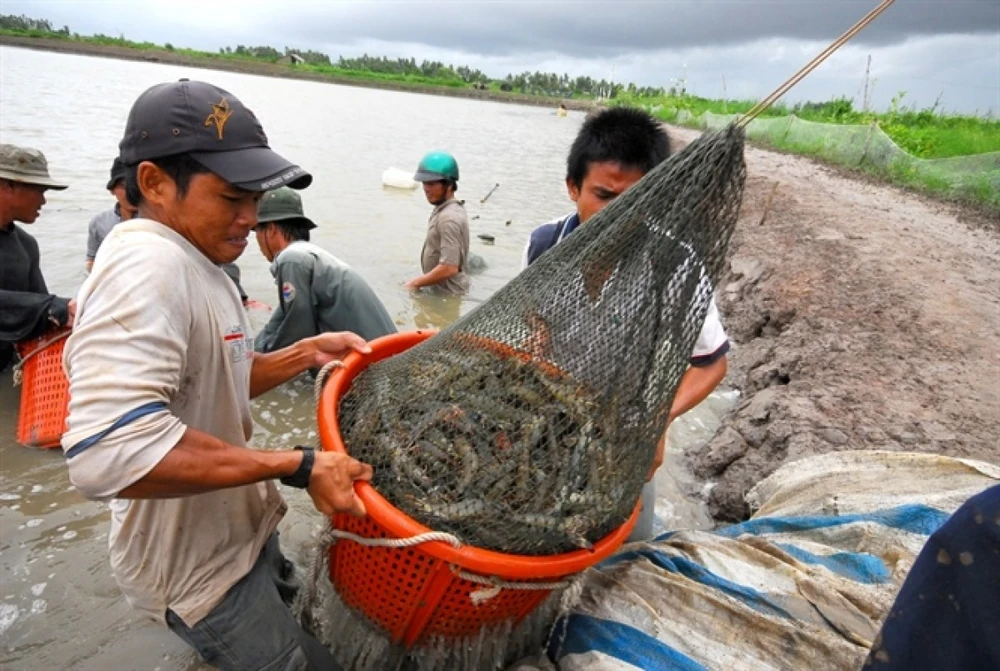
331, 485
328, 347
413, 285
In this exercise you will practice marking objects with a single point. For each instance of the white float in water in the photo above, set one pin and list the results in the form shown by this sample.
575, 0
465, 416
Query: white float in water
398, 179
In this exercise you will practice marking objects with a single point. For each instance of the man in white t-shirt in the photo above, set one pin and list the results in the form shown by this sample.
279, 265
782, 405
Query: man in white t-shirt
162, 369
613, 150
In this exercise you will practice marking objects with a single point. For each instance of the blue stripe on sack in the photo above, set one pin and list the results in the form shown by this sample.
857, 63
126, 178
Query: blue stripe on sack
127, 418
759, 601
585, 633
914, 518
858, 566
665, 536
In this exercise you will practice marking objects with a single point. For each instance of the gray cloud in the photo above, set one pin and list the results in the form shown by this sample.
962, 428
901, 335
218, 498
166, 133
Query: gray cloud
582, 29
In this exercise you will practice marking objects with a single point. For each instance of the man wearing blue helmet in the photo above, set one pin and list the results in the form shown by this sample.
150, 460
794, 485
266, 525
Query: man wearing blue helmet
446, 248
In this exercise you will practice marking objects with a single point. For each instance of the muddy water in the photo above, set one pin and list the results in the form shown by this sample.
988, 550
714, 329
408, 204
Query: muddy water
59, 605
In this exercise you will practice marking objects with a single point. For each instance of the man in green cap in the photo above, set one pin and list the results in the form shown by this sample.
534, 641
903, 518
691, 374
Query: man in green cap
26, 306
446, 248
317, 292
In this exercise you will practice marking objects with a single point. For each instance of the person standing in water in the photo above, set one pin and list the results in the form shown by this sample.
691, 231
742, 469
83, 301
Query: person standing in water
160, 383
317, 292
26, 306
446, 247
102, 223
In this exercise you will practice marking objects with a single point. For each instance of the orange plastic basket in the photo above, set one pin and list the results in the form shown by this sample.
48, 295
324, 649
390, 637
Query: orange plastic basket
416, 593
41, 421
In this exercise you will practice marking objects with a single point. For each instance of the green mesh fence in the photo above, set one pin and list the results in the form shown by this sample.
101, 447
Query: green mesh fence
867, 146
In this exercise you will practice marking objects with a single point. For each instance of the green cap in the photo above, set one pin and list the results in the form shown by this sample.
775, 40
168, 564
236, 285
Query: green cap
437, 166
282, 205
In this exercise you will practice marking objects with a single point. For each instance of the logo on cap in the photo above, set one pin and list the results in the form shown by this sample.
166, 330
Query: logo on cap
219, 116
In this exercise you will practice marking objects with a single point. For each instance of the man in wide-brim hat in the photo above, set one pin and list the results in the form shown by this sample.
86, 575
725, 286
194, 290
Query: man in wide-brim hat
26, 307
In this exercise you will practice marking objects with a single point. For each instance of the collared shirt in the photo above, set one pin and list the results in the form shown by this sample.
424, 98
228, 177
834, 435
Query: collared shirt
547, 236
447, 242
319, 293
162, 344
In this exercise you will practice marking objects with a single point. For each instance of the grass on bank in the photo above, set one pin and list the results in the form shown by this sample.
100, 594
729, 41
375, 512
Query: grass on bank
924, 134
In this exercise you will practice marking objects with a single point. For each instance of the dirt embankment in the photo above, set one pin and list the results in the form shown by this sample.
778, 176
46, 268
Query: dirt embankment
279, 70
862, 317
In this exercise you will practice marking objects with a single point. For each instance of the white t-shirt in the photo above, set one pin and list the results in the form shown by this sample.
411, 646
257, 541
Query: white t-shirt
162, 343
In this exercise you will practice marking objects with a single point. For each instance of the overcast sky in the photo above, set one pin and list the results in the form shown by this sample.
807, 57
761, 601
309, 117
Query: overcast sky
931, 49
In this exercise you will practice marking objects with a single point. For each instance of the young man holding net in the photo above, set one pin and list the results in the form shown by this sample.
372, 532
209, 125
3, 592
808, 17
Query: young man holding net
613, 150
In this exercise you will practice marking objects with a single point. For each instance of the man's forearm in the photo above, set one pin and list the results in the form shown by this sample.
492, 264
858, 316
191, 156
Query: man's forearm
202, 463
438, 274
273, 368
698, 382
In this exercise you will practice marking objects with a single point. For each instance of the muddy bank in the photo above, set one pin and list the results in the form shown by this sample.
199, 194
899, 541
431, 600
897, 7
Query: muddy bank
861, 316
277, 70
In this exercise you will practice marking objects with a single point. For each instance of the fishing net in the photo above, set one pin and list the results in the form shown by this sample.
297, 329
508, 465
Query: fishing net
529, 426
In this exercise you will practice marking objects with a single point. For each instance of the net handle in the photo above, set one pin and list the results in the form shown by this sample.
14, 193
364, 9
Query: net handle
419, 539
757, 109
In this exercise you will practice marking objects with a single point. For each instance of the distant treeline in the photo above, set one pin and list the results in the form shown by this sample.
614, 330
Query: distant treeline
531, 83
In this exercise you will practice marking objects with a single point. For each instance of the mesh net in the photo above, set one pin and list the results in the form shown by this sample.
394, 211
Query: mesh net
529, 425
857, 145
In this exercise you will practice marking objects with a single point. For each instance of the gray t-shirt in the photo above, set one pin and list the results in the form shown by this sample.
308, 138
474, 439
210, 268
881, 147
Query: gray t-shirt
99, 228
318, 293
448, 242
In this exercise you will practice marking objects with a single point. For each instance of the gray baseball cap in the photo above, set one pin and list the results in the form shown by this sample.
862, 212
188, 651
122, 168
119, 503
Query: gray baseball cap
26, 165
283, 205
214, 128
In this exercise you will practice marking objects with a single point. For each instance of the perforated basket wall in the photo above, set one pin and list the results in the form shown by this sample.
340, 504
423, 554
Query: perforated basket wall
413, 595
41, 421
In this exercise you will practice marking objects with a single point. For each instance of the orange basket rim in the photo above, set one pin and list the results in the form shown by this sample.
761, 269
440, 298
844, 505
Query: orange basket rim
400, 525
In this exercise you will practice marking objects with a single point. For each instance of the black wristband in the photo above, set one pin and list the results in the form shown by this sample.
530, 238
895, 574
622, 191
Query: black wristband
300, 478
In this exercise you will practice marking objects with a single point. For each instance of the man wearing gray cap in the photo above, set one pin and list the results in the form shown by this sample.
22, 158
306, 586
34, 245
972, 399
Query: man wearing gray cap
161, 370
317, 292
26, 306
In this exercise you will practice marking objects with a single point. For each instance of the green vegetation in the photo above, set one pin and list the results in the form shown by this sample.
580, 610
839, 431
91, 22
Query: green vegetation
922, 133
846, 138
925, 133
404, 71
